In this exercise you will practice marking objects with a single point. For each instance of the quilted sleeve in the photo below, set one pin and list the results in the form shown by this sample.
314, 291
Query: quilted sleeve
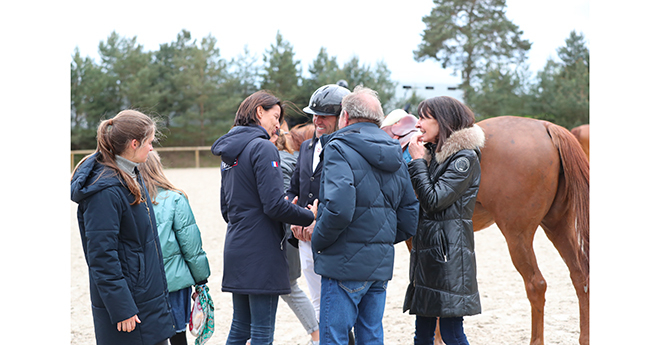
450, 186
102, 219
190, 239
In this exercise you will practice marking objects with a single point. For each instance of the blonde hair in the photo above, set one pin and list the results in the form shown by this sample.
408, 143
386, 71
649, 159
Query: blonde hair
113, 136
154, 177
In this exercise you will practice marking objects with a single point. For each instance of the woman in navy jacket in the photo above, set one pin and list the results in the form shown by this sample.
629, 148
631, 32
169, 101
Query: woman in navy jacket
127, 283
253, 204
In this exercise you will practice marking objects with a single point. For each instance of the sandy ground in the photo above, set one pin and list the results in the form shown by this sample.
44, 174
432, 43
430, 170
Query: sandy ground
505, 317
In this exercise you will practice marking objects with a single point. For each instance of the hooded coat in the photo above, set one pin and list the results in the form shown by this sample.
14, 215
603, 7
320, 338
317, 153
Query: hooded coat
122, 250
366, 205
253, 204
443, 267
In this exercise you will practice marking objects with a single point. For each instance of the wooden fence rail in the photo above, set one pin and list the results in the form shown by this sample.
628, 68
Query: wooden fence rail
196, 149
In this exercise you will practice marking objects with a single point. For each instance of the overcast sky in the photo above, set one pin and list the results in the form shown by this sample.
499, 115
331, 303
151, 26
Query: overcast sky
371, 29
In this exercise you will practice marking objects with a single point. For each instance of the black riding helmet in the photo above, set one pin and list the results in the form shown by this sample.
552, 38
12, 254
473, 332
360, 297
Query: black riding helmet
326, 100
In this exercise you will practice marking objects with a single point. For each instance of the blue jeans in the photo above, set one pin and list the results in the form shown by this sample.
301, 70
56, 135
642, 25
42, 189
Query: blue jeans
254, 318
451, 330
349, 304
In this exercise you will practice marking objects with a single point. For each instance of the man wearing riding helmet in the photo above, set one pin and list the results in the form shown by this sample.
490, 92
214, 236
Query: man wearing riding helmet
324, 107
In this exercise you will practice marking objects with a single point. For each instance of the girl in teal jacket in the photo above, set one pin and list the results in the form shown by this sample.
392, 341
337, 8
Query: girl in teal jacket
183, 257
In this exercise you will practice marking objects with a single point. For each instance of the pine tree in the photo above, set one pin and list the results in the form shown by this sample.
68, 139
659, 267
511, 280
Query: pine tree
467, 35
562, 91
281, 70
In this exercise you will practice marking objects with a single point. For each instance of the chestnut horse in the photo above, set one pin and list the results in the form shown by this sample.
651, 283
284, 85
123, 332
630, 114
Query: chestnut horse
534, 173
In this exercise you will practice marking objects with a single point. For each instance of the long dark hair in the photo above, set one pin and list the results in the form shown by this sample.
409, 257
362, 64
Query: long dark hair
451, 114
247, 111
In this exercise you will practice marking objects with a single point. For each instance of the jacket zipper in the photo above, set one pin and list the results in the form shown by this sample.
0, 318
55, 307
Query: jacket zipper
151, 226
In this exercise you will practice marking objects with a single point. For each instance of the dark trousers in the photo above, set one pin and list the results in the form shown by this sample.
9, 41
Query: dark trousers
451, 329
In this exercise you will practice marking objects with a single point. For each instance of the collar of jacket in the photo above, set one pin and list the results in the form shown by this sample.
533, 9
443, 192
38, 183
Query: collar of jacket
313, 141
466, 138
352, 128
262, 128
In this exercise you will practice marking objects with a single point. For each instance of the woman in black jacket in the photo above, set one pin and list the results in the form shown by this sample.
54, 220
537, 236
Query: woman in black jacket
445, 173
253, 204
127, 283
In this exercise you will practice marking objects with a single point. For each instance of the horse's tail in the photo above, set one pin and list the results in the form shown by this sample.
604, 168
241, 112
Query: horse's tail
576, 173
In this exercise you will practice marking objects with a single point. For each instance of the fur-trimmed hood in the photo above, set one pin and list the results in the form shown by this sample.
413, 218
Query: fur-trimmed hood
466, 138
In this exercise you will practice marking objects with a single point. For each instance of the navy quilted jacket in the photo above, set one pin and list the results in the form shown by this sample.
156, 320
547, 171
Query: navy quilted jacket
366, 205
123, 253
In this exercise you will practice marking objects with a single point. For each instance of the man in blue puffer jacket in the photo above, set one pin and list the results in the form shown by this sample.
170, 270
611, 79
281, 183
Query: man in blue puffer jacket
366, 205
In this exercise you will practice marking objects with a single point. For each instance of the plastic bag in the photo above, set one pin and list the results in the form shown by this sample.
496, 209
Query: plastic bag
202, 323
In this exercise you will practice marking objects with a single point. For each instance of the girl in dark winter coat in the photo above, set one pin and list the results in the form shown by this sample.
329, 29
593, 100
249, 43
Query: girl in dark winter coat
181, 242
127, 282
253, 204
445, 173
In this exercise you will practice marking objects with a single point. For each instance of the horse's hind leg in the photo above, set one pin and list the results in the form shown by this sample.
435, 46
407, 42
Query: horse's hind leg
521, 249
560, 230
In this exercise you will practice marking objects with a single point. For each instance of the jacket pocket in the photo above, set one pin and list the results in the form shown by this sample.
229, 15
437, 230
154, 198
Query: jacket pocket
130, 266
140, 273
444, 246
352, 286
439, 250
433, 241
